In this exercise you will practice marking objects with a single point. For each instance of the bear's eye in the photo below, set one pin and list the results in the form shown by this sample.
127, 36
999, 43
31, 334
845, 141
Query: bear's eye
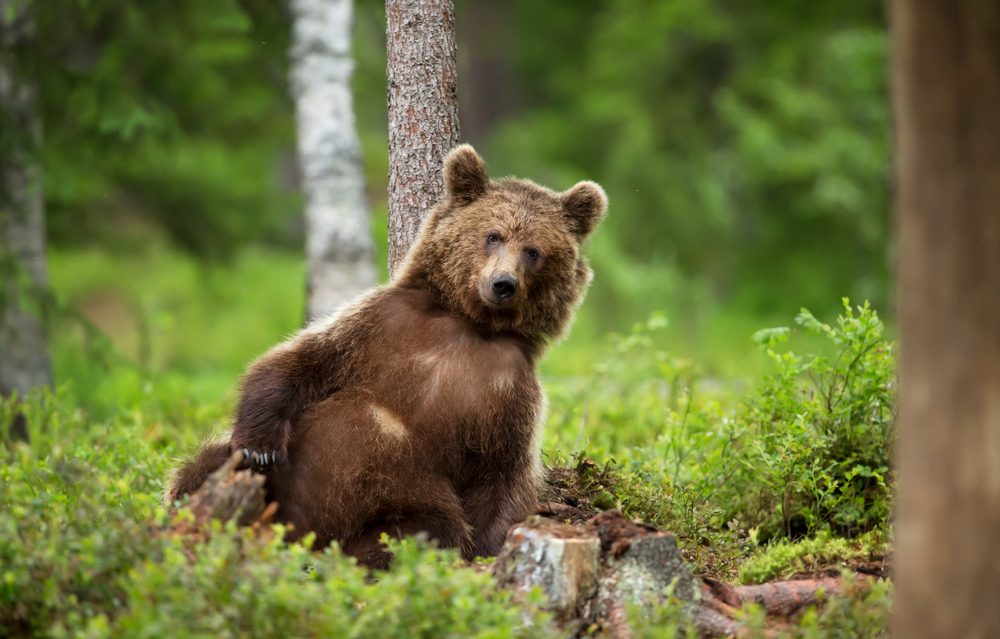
492, 238
532, 254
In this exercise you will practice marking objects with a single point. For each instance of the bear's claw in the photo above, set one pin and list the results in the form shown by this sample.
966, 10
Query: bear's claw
259, 462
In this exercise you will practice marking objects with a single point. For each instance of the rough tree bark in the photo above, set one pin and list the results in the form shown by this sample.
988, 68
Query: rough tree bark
24, 360
339, 248
946, 94
423, 111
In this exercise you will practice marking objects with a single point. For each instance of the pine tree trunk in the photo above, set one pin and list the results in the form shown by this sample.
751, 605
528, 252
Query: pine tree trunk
24, 360
946, 92
423, 111
339, 248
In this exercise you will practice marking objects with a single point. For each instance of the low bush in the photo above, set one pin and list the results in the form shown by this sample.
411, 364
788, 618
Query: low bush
86, 550
807, 450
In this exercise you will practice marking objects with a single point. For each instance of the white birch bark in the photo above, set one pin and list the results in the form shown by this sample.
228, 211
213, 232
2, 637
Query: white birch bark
24, 359
339, 249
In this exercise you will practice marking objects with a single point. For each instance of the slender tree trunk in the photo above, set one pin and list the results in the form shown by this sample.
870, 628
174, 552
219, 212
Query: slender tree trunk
946, 93
423, 111
24, 360
339, 247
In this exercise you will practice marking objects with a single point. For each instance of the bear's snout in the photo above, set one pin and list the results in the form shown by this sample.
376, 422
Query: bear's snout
504, 287
498, 290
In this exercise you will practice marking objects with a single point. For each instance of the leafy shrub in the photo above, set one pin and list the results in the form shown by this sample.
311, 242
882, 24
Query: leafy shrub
816, 446
85, 549
857, 614
76, 509
805, 452
235, 585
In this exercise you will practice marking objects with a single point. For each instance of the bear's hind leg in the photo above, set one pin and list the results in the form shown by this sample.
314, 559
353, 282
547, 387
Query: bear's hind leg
498, 502
441, 519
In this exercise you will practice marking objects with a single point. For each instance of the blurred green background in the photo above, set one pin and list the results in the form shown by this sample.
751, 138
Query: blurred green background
743, 147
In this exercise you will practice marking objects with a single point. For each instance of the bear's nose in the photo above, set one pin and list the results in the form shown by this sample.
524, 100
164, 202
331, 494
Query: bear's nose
504, 287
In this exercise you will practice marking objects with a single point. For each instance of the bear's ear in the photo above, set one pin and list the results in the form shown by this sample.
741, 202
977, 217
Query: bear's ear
465, 176
584, 206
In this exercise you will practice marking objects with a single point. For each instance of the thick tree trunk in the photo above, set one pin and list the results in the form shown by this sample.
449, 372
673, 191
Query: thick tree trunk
423, 111
946, 93
24, 360
339, 247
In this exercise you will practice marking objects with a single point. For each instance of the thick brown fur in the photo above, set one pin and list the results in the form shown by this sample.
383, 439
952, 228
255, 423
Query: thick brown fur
417, 408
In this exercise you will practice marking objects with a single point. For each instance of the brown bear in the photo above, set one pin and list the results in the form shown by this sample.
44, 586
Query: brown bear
417, 408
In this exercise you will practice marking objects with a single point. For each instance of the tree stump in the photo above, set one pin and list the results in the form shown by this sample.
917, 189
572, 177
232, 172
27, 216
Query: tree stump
592, 574
561, 560
229, 494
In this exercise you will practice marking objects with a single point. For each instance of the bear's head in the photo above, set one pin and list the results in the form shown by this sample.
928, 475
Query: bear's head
506, 253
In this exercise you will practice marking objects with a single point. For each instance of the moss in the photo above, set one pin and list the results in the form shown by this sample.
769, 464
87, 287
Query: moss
785, 559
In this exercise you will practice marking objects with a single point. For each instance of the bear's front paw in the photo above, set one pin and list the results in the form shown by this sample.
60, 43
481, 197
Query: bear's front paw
260, 461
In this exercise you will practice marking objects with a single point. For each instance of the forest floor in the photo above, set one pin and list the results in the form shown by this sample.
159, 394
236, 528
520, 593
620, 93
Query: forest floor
778, 471
569, 497
593, 565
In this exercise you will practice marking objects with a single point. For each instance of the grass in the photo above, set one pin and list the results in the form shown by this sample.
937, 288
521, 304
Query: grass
766, 459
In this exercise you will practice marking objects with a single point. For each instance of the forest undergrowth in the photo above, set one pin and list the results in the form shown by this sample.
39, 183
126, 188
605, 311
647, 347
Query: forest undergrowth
791, 476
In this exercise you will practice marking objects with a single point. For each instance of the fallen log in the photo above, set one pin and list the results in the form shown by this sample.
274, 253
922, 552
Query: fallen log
780, 598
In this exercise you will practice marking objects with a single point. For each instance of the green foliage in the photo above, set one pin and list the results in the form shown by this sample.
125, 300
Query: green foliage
785, 559
820, 432
76, 510
184, 330
743, 145
184, 131
85, 549
234, 585
859, 612
805, 452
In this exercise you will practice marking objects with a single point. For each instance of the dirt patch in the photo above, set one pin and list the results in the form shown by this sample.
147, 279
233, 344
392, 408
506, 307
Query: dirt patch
569, 495
878, 566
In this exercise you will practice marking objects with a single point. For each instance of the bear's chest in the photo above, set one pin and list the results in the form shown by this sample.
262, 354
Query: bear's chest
469, 382
442, 375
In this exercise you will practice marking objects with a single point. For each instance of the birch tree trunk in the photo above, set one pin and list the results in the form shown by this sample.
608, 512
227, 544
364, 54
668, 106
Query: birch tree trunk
24, 360
423, 112
946, 93
339, 248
